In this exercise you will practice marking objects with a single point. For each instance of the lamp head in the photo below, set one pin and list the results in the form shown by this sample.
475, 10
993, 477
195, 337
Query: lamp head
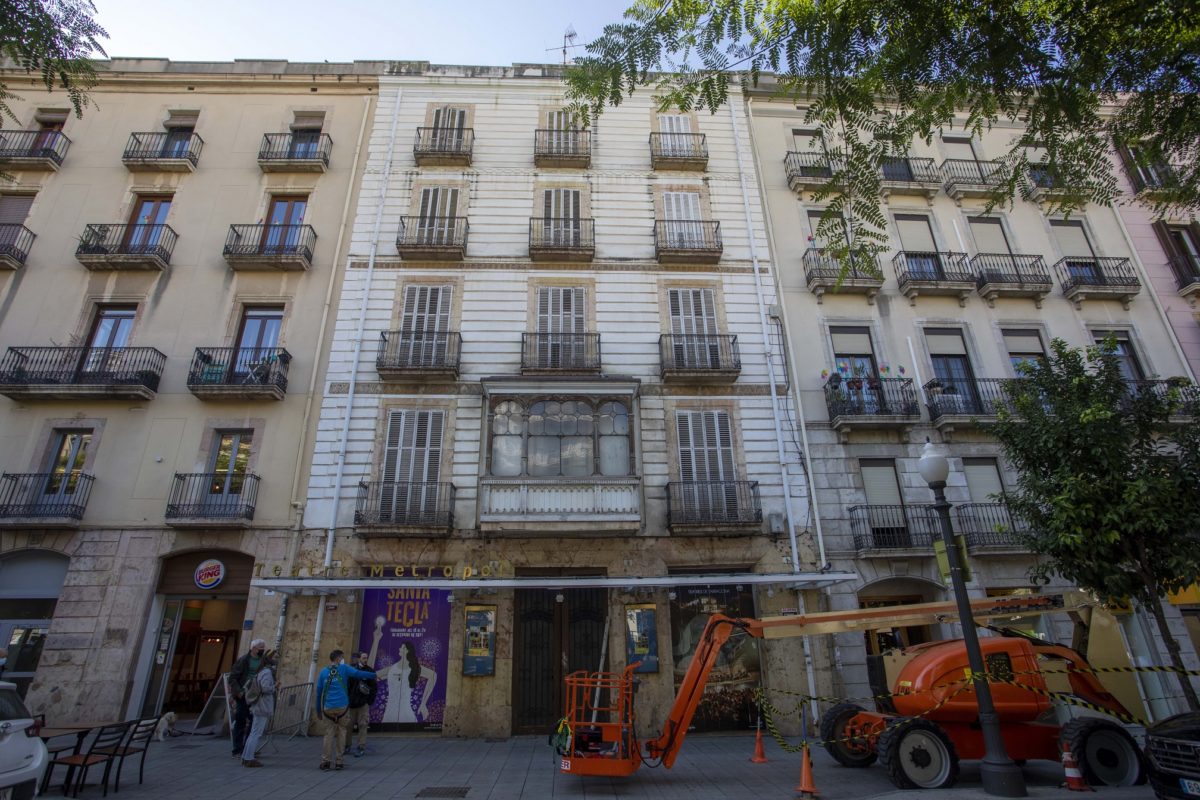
933, 466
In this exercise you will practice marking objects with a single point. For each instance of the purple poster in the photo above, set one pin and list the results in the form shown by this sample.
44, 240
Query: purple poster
407, 634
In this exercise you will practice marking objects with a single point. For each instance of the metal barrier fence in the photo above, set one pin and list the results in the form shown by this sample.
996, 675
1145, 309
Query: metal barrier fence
292, 704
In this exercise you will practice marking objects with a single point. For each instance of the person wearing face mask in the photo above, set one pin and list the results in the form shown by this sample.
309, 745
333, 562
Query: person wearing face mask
240, 677
333, 705
362, 696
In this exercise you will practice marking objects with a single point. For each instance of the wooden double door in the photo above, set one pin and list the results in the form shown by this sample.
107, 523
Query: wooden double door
552, 639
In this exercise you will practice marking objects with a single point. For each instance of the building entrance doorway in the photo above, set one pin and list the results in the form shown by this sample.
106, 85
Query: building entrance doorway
556, 632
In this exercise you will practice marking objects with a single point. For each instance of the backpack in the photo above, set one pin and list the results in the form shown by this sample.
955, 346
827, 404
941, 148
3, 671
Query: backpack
252, 690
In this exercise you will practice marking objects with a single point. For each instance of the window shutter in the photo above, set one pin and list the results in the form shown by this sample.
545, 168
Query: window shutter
1022, 342
561, 309
14, 208
1163, 231
989, 235
693, 311
942, 342
851, 341
915, 234
1072, 238
959, 149
413, 448
983, 479
674, 123
879, 483
427, 309
448, 118
705, 446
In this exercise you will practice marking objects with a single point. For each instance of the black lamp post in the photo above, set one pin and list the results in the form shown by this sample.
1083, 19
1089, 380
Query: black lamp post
1001, 777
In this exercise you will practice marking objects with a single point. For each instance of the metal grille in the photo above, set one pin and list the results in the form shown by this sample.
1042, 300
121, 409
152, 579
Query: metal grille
914, 266
213, 495
239, 366
103, 366
887, 527
444, 791
870, 397
1174, 755
1076, 271
271, 240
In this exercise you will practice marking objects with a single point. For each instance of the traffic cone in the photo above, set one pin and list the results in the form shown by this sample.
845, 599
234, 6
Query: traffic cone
759, 757
1075, 781
807, 789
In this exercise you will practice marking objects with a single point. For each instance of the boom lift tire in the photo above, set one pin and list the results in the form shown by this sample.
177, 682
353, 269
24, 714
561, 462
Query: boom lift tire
917, 754
1107, 754
833, 730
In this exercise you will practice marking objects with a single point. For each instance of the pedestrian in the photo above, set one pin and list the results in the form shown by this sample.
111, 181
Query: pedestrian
240, 677
333, 706
362, 696
260, 696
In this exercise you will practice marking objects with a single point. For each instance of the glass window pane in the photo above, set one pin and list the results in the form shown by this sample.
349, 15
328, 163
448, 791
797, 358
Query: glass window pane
543, 455
506, 455
577, 455
614, 455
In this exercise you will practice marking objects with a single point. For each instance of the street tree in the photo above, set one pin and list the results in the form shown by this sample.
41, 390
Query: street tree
1070, 77
53, 41
1108, 479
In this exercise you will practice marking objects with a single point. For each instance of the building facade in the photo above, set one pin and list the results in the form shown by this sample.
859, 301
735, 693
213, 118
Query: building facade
913, 348
169, 258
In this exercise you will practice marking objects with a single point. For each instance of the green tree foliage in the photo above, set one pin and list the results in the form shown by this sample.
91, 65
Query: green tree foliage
1109, 478
53, 39
1070, 76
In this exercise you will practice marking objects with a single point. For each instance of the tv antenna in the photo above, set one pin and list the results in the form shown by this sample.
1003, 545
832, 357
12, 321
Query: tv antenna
569, 37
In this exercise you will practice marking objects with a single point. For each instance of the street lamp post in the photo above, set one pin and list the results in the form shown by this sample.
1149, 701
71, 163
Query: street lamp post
1001, 777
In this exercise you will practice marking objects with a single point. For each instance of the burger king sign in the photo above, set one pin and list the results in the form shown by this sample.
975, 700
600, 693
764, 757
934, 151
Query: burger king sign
209, 573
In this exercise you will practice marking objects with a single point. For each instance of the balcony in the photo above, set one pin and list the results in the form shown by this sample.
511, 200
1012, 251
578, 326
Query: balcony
432, 238
1097, 278
569, 240
889, 531
270, 247
416, 355
239, 373
299, 151
15, 242
809, 171
444, 147
870, 404
387, 508
1187, 278
1153, 178
682, 241
964, 178
33, 150
965, 403
687, 151
1008, 275
990, 528
699, 358
934, 274
825, 272
1182, 393
582, 506
713, 507
1044, 185
562, 148
43, 499
72, 373
212, 500
162, 151
140, 246
910, 175
560, 353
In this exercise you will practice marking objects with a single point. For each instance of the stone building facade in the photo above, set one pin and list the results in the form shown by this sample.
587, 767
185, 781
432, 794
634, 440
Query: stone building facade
168, 261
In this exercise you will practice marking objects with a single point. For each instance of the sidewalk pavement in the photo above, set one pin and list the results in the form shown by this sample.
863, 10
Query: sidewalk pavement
709, 767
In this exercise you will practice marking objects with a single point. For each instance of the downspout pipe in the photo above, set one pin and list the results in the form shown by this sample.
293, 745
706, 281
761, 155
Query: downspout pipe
340, 468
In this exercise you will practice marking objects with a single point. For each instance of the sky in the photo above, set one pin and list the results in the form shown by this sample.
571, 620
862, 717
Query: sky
477, 32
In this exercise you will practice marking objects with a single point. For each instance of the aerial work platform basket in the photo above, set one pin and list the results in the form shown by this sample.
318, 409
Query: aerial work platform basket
596, 735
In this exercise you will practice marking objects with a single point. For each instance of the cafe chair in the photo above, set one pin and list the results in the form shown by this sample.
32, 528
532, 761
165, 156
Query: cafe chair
106, 738
141, 733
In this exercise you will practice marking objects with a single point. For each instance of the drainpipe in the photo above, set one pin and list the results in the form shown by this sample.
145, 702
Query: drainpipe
358, 344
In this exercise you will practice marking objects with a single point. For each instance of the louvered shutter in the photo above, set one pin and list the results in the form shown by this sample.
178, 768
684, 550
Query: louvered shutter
424, 325
14, 208
436, 218
706, 464
561, 317
411, 465
448, 125
693, 323
560, 217
674, 130
682, 211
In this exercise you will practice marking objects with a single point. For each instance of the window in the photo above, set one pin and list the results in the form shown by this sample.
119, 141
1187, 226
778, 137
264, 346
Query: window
49, 123
1145, 173
180, 126
952, 369
227, 470
1073, 243
693, 328
676, 132
921, 257
285, 220
562, 132
885, 516
853, 355
989, 236
959, 149
682, 214
146, 223
1131, 369
449, 126
424, 325
1023, 345
412, 463
67, 462
983, 479
561, 437
436, 219
14, 208
257, 342
1180, 242
306, 134
561, 215
707, 468
561, 315
807, 140
109, 334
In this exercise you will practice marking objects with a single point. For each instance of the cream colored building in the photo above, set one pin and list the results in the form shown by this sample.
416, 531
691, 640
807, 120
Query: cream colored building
916, 349
170, 259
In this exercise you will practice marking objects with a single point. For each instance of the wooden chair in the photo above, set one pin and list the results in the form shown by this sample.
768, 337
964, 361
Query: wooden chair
141, 733
78, 764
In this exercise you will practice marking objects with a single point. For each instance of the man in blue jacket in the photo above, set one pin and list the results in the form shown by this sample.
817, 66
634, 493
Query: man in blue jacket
333, 706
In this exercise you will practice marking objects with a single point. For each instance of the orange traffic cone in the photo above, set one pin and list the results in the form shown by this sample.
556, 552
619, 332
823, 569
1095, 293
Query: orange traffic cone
759, 757
1075, 781
807, 789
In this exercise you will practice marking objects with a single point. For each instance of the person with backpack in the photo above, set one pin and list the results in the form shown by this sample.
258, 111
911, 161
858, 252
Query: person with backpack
240, 677
362, 696
260, 696
333, 706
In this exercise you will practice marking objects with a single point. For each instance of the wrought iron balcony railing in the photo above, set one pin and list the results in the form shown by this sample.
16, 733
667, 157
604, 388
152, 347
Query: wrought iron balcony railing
1083, 271
913, 266
298, 148
679, 150
823, 272
974, 397
688, 240
15, 242
1009, 269
566, 238
870, 397
212, 497
551, 146
271, 243
44, 495
82, 366
405, 504
560, 352
965, 172
101, 243
432, 236
33, 148
1187, 273
162, 146
809, 168
1182, 394
240, 367
454, 144
1151, 177
894, 527
910, 169
989, 525
705, 503
699, 353
418, 352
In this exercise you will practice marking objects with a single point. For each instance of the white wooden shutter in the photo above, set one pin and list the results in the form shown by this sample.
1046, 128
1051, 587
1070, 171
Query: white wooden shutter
706, 464
448, 125
682, 210
674, 129
437, 215
14, 208
983, 479
411, 463
694, 317
560, 217
424, 325
561, 313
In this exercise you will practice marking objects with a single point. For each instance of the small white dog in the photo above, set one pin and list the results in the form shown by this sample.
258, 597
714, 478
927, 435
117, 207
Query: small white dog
165, 727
